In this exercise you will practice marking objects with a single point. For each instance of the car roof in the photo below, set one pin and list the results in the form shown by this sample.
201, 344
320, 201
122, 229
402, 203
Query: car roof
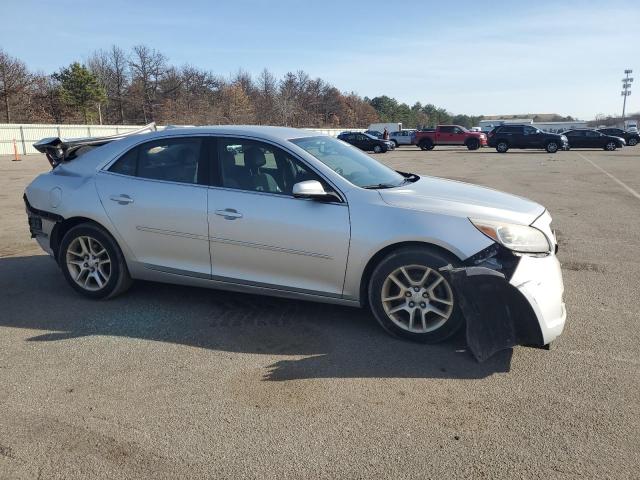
267, 132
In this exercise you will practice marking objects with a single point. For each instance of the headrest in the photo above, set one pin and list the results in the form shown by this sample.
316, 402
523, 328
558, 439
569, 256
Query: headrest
228, 159
254, 158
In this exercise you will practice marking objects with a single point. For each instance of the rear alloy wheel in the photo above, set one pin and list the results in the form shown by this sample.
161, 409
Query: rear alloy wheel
410, 298
552, 147
610, 146
377, 149
633, 142
92, 262
502, 147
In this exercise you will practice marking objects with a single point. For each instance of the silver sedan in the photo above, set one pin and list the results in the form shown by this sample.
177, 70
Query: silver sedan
286, 212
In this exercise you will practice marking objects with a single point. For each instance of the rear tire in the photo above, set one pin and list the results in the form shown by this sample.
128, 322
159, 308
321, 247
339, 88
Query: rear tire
92, 262
425, 308
425, 145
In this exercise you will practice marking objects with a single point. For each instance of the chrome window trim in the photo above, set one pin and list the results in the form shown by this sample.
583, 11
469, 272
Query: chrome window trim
143, 179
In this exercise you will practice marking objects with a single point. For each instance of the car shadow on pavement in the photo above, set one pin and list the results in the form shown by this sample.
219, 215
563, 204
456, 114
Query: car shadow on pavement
333, 341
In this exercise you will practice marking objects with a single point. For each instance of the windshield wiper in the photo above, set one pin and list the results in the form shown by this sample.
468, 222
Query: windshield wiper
379, 185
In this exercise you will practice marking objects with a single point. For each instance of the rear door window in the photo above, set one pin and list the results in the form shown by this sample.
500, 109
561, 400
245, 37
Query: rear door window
169, 159
511, 129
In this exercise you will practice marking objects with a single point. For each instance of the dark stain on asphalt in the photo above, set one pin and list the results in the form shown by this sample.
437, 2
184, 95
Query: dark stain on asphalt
6, 452
583, 267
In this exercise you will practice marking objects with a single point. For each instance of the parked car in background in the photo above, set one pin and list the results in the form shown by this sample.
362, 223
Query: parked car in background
587, 138
504, 137
631, 138
450, 135
367, 142
286, 212
403, 137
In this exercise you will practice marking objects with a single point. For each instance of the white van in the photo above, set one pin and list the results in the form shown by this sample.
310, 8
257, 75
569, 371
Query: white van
391, 127
631, 125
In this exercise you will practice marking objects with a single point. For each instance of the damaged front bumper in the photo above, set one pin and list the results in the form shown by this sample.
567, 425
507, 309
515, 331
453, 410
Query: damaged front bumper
503, 306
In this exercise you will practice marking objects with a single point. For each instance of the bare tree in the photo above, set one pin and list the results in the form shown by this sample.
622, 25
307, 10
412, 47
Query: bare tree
14, 81
148, 67
267, 89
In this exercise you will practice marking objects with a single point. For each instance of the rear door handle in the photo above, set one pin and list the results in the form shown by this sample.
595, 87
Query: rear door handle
229, 213
121, 199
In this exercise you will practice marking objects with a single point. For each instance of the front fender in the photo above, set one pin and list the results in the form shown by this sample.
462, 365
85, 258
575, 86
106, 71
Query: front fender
498, 316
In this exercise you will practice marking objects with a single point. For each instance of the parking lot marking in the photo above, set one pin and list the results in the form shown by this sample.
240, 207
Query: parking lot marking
620, 182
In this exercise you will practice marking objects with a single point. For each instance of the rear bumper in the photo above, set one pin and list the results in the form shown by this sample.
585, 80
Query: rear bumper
41, 225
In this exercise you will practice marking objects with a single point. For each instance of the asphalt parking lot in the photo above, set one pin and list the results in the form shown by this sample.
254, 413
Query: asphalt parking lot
169, 382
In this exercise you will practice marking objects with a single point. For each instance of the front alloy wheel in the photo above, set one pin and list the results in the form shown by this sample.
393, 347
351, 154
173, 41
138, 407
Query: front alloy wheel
417, 299
377, 149
410, 298
610, 146
552, 147
633, 142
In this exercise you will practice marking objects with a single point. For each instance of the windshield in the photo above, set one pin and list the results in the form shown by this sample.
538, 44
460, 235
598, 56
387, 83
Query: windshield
350, 163
372, 136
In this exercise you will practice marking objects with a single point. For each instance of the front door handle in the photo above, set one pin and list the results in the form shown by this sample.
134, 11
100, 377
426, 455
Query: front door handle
121, 199
229, 213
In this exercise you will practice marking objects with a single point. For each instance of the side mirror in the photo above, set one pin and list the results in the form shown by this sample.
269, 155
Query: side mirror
311, 189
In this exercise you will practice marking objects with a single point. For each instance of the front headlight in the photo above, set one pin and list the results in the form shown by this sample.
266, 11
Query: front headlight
564, 138
519, 238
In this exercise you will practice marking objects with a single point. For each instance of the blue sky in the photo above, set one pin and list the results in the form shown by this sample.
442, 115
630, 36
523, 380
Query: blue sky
475, 57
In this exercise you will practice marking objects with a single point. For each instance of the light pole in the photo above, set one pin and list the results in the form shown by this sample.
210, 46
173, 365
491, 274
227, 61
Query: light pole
626, 86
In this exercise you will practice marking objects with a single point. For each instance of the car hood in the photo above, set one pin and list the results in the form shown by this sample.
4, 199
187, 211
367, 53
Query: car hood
451, 197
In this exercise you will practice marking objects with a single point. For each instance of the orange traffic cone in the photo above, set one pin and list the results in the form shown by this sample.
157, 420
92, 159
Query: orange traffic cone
16, 157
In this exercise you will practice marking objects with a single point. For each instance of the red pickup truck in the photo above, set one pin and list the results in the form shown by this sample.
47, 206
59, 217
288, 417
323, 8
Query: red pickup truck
450, 135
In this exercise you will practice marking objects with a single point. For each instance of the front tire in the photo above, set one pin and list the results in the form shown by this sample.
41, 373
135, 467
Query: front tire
633, 142
395, 143
473, 144
551, 147
411, 299
502, 147
610, 146
377, 149
92, 262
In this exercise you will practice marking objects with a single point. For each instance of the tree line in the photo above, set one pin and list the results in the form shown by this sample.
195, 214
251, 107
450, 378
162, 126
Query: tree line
115, 86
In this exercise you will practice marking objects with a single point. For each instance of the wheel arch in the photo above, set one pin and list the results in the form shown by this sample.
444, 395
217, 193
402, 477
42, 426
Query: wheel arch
383, 252
61, 229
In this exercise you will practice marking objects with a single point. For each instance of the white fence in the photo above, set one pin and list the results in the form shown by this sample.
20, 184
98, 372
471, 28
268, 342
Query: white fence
25, 135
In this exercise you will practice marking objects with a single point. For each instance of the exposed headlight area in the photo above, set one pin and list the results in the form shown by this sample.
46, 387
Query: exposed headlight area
517, 238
